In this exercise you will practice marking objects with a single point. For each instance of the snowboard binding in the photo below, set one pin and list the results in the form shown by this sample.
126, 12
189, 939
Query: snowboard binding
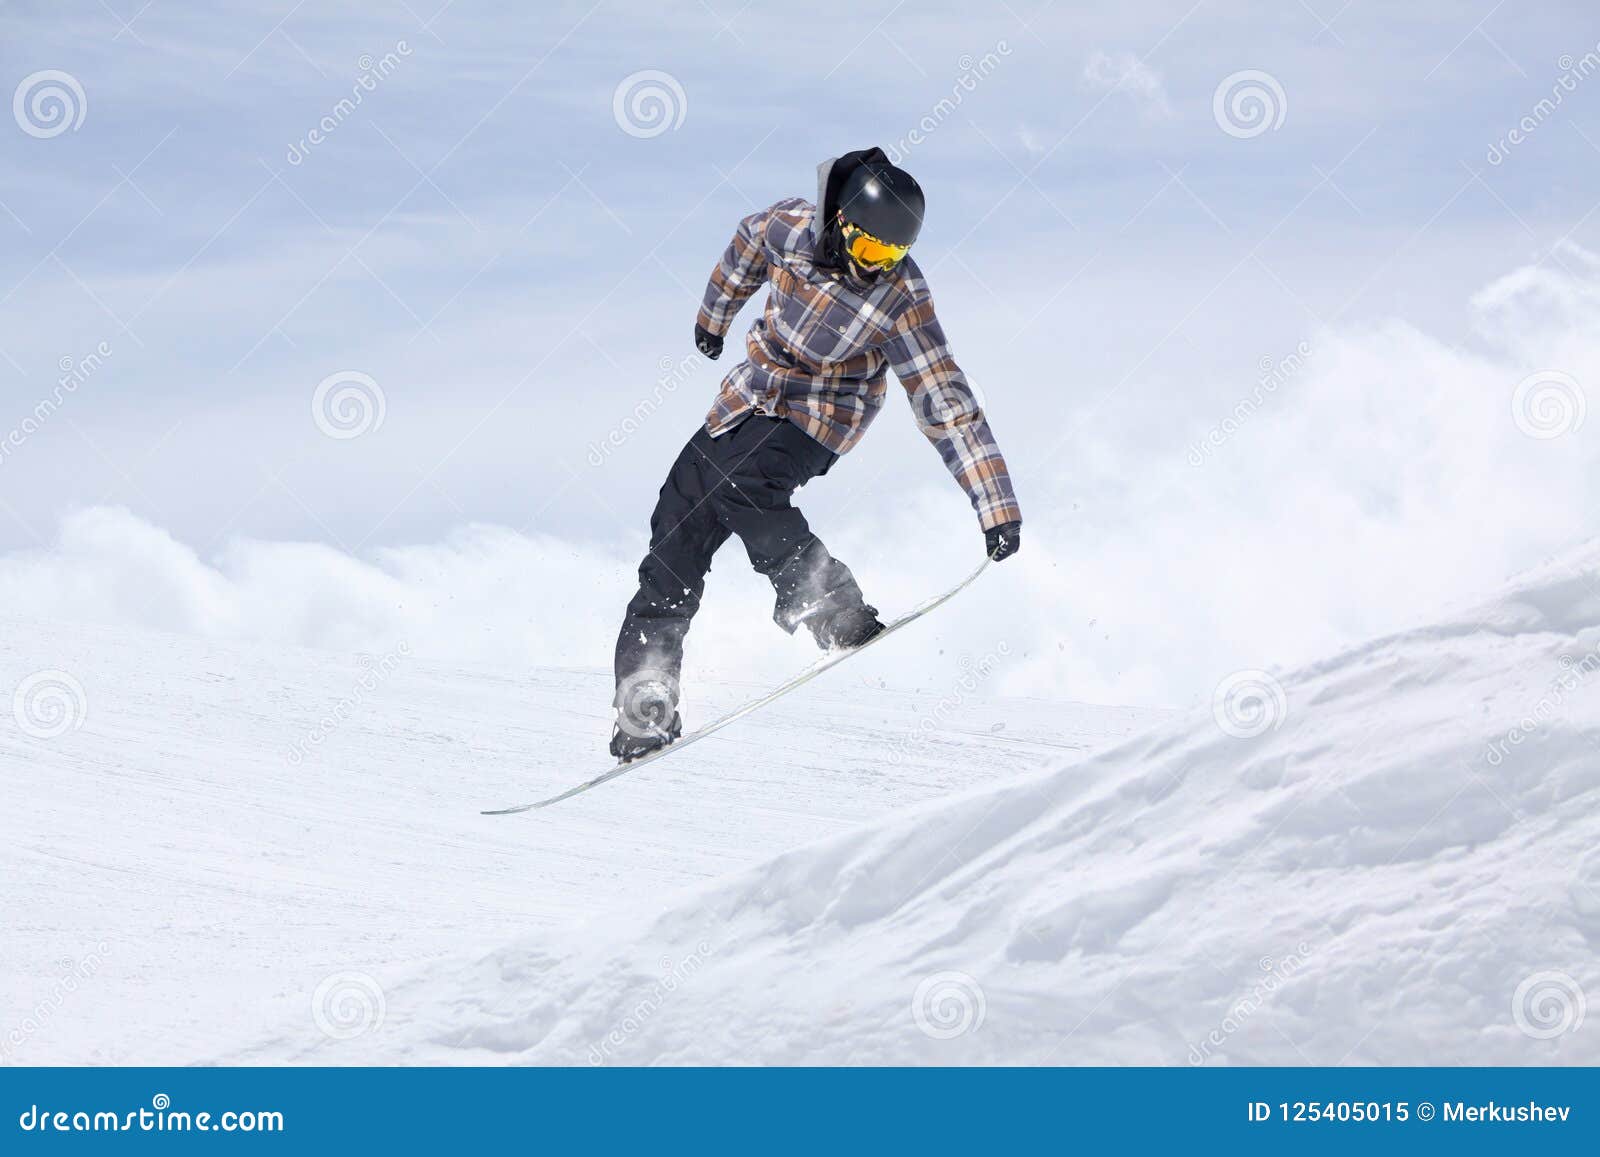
847, 628
647, 717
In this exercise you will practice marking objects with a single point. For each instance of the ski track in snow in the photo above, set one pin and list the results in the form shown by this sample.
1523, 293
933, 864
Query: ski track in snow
1382, 875
176, 888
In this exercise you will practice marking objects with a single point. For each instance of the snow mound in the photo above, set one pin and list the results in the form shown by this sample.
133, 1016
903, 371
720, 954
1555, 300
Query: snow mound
1388, 857
200, 842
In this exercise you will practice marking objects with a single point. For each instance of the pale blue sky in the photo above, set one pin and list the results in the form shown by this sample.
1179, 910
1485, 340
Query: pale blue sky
511, 267
246, 292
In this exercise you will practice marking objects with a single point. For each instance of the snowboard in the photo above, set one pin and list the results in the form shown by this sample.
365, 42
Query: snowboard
831, 659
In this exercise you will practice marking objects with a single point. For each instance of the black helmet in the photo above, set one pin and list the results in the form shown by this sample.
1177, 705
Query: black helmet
883, 201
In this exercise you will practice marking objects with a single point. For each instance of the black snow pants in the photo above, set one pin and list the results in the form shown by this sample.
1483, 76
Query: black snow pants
739, 483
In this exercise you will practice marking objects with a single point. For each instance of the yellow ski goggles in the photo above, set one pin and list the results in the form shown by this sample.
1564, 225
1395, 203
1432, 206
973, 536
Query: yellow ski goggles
869, 251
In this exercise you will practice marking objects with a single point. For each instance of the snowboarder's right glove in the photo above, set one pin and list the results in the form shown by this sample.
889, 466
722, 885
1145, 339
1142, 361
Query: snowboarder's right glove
1003, 541
707, 342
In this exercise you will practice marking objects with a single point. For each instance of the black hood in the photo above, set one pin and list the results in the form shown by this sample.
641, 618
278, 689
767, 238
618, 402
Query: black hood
830, 179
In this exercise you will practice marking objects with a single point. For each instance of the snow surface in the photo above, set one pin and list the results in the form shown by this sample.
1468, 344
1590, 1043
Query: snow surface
1398, 862
185, 871
1391, 856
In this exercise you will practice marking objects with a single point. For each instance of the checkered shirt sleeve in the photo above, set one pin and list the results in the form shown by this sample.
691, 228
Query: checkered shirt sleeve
742, 271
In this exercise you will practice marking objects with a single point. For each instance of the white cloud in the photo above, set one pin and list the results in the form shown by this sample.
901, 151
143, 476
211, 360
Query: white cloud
1029, 140
1385, 477
1110, 71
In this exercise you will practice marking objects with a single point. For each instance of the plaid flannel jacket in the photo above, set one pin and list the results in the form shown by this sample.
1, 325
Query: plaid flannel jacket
819, 353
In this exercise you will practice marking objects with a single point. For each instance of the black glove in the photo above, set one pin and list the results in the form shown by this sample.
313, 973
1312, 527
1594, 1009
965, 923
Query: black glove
1003, 541
707, 342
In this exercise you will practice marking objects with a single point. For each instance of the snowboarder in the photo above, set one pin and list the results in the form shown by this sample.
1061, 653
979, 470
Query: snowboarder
846, 304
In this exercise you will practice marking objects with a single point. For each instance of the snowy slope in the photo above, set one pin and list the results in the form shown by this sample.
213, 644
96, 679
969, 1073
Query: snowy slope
210, 832
1398, 861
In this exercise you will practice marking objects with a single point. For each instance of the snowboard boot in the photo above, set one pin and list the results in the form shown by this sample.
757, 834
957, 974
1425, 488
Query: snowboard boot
628, 747
647, 720
850, 627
